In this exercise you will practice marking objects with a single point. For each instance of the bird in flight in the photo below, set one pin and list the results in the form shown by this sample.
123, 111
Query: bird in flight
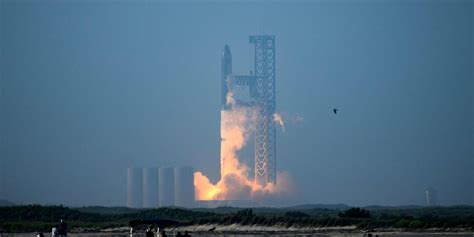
335, 111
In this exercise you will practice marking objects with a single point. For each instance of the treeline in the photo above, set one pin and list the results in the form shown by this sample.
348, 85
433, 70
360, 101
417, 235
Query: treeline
353, 216
33, 218
41, 218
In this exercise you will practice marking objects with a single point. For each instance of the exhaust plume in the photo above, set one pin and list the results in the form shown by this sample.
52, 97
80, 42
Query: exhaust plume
234, 184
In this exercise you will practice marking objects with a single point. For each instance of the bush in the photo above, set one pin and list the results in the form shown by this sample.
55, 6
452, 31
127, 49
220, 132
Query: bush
355, 212
415, 224
403, 223
296, 214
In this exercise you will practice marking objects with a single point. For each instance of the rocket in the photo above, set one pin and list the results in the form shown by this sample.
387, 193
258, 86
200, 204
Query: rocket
226, 70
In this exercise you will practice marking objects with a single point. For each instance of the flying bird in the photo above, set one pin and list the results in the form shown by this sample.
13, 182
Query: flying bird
335, 111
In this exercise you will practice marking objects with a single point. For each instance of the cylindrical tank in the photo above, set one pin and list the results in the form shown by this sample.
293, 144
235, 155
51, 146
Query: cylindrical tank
134, 187
166, 187
150, 187
431, 197
184, 186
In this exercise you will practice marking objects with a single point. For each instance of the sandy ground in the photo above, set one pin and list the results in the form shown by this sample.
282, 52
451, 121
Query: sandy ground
388, 234
240, 230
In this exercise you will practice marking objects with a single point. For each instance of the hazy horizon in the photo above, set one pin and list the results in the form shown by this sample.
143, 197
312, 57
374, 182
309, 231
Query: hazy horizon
90, 88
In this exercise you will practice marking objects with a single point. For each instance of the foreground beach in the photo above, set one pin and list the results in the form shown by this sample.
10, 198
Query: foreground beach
236, 232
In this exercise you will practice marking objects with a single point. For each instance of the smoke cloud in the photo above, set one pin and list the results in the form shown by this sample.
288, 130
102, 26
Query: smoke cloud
236, 126
277, 118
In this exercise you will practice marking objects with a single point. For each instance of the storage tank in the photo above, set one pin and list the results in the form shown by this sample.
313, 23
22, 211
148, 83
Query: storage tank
431, 196
134, 187
184, 186
166, 187
150, 187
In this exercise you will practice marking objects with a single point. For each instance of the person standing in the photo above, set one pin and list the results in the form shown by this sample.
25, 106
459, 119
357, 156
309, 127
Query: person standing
149, 232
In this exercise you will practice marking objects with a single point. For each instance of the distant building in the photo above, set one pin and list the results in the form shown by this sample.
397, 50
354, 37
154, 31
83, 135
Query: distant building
150, 187
184, 186
166, 187
134, 187
431, 196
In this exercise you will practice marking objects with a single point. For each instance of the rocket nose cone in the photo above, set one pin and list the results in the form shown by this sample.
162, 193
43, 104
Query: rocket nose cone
226, 52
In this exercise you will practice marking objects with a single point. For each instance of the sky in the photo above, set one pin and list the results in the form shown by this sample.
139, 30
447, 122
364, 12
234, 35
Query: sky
89, 88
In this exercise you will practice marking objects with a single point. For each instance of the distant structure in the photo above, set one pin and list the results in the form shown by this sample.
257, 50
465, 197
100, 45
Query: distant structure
160, 187
261, 84
134, 187
166, 187
150, 187
431, 196
184, 186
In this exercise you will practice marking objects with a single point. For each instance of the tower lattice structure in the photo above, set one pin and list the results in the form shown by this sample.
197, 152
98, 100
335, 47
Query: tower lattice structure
265, 132
261, 84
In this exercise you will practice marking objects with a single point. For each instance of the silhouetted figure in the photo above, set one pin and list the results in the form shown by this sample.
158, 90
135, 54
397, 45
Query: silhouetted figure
40, 234
149, 232
158, 232
335, 111
163, 233
62, 229
212, 229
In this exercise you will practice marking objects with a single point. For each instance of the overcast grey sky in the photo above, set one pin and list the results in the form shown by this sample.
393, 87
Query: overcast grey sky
89, 88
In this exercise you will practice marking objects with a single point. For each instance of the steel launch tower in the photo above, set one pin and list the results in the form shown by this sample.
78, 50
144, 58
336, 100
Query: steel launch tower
261, 84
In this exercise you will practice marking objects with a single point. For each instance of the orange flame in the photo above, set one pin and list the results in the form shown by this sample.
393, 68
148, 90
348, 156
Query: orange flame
236, 125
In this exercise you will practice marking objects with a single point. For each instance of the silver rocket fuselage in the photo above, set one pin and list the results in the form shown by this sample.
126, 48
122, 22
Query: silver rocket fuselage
226, 70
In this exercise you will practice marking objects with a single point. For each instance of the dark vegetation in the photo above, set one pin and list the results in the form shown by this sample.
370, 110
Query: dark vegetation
354, 212
41, 218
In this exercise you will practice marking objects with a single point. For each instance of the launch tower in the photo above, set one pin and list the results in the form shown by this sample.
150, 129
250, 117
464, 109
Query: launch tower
261, 84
